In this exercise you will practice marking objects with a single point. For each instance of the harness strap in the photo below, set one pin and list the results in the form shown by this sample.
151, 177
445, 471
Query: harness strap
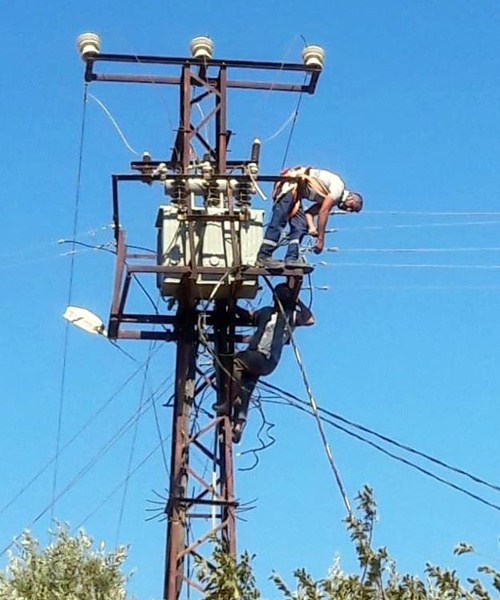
305, 181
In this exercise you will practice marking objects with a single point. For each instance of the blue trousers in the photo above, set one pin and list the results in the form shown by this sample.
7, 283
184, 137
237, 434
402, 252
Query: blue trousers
279, 219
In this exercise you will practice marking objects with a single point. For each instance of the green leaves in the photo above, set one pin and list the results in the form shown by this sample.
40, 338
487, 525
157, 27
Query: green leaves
379, 578
225, 578
463, 548
68, 569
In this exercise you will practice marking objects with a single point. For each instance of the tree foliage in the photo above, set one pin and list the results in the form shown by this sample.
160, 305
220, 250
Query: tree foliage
225, 578
69, 568
379, 579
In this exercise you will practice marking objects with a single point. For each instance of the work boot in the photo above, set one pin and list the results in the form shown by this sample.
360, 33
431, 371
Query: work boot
295, 263
238, 431
267, 262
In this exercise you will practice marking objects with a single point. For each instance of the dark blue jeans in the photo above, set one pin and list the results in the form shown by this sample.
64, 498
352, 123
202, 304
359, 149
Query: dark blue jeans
279, 219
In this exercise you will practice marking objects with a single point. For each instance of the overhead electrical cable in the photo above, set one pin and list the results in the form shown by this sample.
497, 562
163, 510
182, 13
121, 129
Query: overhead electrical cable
416, 226
93, 461
124, 481
399, 458
134, 439
75, 436
115, 124
416, 250
385, 438
407, 266
62, 389
432, 213
313, 404
294, 121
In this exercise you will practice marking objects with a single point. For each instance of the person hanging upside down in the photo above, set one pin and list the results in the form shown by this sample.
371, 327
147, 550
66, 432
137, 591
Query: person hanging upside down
264, 348
325, 190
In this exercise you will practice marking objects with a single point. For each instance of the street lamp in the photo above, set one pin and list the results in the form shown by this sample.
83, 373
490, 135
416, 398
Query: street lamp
86, 320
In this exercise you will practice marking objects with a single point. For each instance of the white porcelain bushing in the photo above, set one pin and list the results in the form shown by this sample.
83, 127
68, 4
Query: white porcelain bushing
201, 47
89, 44
313, 56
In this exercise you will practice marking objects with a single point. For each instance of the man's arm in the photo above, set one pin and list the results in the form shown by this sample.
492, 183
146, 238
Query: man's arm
304, 318
326, 206
310, 213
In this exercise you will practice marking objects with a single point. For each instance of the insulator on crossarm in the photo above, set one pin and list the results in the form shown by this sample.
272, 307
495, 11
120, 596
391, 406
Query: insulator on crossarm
313, 56
202, 47
255, 154
89, 45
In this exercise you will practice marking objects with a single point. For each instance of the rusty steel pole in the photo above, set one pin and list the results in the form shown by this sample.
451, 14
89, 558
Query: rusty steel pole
198, 507
223, 501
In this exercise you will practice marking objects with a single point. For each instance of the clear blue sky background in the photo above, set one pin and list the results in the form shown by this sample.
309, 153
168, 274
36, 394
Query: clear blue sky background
407, 111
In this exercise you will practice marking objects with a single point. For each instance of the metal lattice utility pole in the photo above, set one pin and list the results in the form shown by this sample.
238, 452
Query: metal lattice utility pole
213, 240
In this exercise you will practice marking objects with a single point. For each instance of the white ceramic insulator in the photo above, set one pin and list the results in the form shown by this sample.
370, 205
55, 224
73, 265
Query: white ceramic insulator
201, 47
313, 56
89, 44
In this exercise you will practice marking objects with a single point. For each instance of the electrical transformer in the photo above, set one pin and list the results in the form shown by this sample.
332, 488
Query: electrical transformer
212, 246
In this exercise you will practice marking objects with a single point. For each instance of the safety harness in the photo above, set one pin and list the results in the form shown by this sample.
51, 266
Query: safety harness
299, 188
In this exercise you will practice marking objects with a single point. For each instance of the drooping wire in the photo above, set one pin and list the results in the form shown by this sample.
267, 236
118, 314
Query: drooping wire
385, 438
115, 124
266, 426
399, 458
70, 295
158, 431
312, 402
292, 128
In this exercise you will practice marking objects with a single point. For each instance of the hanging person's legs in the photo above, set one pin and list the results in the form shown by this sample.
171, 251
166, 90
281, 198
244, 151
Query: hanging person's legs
298, 229
279, 219
248, 367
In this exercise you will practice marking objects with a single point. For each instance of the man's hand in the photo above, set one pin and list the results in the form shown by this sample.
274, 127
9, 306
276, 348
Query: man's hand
318, 247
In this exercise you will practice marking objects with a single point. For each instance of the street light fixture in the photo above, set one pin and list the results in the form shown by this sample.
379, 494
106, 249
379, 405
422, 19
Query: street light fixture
86, 320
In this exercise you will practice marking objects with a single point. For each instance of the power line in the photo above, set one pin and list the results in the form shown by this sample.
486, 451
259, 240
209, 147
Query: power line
312, 402
414, 466
70, 294
124, 481
407, 266
94, 460
421, 249
83, 428
292, 128
405, 461
387, 439
134, 439
430, 213
451, 288
416, 226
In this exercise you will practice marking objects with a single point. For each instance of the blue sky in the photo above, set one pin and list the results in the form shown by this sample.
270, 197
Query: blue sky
407, 112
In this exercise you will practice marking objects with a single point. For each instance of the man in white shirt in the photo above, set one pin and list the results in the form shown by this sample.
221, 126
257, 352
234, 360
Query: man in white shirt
325, 190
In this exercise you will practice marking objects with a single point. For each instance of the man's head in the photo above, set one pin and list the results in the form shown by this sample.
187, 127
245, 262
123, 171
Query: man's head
352, 202
285, 295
